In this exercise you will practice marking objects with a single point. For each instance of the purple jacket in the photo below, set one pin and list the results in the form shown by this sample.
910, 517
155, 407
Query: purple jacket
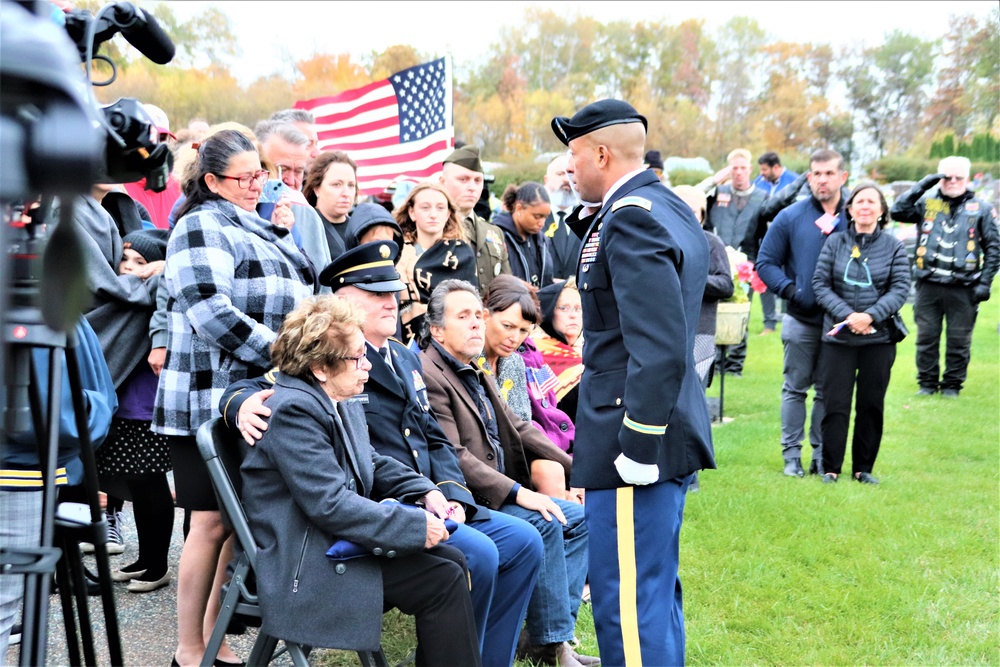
542, 382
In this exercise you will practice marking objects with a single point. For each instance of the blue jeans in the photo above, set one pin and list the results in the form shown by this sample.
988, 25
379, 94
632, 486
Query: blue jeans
504, 554
556, 599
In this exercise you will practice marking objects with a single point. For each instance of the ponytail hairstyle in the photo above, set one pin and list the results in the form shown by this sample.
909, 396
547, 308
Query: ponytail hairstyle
528, 194
214, 156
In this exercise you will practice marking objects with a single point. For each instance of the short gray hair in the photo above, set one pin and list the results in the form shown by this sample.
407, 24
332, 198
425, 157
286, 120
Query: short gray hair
275, 128
293, 116
435, 306
963, 164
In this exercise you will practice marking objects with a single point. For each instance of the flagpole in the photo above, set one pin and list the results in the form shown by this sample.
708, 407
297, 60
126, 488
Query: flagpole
450, 102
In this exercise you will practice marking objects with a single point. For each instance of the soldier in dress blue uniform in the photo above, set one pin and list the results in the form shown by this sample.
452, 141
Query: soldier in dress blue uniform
504, 553
643, 428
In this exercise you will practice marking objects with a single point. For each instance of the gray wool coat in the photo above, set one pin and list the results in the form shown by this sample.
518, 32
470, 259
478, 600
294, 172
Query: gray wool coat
314, 478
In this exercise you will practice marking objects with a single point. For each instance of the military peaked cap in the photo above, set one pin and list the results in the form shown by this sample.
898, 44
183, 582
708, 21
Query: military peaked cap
368, 267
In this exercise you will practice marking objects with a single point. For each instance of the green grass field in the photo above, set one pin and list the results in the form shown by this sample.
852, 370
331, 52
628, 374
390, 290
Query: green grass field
783, 571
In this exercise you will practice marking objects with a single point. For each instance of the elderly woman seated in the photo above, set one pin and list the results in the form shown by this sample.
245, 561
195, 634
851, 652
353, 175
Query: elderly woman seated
314, 479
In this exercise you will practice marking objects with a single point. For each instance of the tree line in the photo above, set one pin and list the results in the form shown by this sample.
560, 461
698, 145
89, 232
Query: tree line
704, 92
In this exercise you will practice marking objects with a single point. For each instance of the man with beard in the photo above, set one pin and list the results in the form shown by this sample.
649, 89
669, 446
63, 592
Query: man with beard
786, 263
957, 256
564, 245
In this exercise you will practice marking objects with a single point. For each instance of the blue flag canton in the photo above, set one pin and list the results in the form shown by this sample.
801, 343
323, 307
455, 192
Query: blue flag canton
420, 92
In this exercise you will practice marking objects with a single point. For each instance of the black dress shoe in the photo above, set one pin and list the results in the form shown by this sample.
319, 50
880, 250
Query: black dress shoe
865, 478
793, 468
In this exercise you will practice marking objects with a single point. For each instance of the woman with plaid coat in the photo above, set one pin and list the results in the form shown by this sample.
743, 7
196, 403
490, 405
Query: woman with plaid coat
232, 277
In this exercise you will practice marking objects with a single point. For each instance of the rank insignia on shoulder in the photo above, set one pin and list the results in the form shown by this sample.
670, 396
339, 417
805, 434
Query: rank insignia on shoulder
641, 202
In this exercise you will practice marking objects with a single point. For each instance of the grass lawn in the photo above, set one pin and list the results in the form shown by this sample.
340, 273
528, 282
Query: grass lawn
782, 571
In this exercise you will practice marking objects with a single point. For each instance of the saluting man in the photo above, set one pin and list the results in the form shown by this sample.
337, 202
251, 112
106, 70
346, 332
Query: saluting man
642, 424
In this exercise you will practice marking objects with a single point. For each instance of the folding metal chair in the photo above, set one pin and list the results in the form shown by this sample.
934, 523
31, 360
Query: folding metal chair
222, 452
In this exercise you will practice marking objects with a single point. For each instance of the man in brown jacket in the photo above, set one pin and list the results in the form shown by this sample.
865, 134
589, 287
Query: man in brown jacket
503, 459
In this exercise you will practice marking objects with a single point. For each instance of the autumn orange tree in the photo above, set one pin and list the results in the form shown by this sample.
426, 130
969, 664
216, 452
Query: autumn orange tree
704, 92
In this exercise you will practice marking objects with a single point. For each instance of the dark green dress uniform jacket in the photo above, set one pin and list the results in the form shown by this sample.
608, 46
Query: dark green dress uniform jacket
491, 251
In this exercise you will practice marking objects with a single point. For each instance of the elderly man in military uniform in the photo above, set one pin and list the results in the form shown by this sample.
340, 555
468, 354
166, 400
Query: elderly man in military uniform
462, 177
957, 256
504, 553
643, 427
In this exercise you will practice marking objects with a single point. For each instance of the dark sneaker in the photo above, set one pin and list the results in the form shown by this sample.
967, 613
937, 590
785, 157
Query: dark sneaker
926, 391
865, 478
829, 478
116, 543
793, 468
15, 635
949, 393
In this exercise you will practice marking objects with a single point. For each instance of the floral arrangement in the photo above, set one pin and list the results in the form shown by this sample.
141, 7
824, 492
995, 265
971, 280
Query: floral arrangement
745, 277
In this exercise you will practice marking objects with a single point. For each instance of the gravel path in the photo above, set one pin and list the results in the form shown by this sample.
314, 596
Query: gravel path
147, 621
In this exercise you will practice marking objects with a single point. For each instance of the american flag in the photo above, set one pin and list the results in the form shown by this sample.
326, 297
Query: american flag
398, 127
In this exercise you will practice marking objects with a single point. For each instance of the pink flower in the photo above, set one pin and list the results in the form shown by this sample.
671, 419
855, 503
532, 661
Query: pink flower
757, 284
744, 270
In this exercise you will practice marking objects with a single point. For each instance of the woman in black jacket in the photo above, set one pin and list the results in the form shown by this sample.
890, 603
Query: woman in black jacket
862, 279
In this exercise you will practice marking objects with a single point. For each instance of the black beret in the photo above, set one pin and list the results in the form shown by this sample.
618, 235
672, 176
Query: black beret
595, 116
466, 156
368, 267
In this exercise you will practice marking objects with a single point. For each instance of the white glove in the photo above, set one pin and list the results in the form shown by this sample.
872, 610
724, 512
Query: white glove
633, 472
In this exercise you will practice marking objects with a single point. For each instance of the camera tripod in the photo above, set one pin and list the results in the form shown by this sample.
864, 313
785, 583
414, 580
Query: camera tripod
23, 332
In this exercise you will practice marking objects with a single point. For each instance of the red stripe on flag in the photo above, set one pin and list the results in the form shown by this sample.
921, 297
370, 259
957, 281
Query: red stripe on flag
333, 119
417, 174
346, 96
355, 130
348, 147
405, 157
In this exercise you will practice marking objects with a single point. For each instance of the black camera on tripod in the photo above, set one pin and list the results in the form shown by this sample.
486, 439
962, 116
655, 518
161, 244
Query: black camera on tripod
56, 142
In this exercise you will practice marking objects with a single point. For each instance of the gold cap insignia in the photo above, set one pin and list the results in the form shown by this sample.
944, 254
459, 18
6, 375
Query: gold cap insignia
384, 251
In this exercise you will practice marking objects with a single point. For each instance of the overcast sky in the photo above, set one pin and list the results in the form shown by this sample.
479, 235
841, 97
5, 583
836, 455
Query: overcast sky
272, 33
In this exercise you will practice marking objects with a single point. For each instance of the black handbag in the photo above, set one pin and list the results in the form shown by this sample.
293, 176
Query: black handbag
896, 328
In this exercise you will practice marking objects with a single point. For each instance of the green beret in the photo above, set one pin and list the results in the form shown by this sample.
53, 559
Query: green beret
466, 156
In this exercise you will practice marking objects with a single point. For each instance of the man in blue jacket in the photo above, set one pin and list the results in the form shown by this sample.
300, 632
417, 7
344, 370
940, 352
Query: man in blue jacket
643, 427
786, 263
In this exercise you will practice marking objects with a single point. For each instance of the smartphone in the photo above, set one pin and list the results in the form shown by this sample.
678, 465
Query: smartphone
273, 191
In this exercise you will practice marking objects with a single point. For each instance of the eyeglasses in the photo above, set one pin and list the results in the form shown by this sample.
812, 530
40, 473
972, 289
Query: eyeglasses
953, 178
357, 360
244, 181
576, 310
857, 283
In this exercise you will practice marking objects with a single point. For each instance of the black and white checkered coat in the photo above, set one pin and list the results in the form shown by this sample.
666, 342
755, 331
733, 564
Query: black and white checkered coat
232, 277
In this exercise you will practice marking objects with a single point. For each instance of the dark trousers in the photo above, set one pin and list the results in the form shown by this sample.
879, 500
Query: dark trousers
935, 303
634, 583
433, 587
153, 509
843, 368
